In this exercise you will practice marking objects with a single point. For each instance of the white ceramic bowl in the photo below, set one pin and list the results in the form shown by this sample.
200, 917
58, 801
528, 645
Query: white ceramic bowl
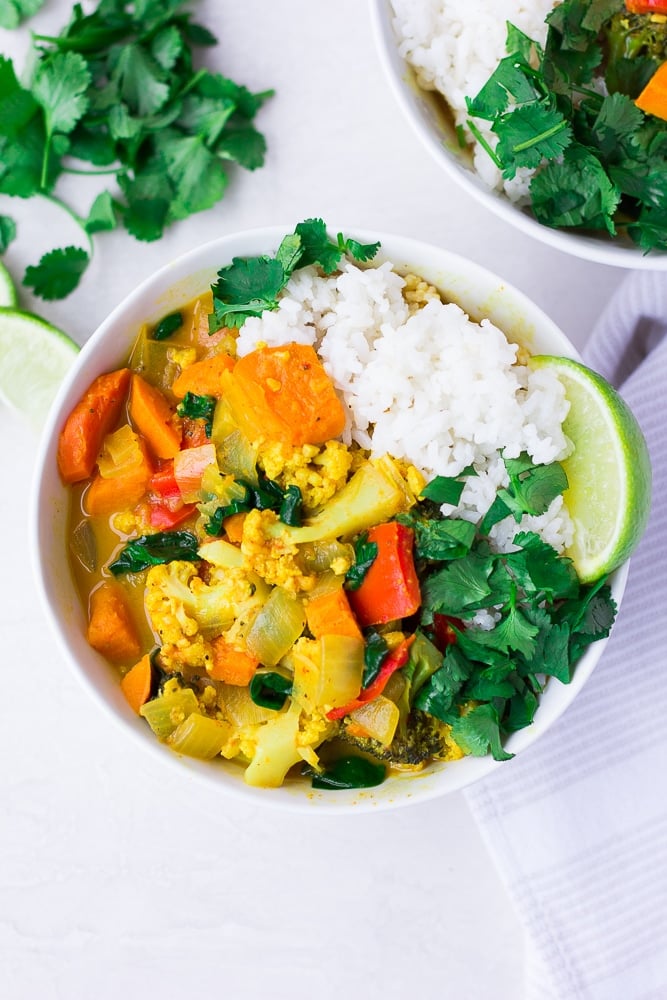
426, 116
480, 293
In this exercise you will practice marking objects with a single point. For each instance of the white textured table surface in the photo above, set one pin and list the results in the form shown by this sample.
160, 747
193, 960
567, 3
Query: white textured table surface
118, 880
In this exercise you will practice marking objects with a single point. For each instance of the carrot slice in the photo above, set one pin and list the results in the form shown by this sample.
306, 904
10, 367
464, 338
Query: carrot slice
107, 496
653, 98
111, 628
295, 389
91, 419
233, 526
154, 418
231, 665
203, 378
331, 614
137, 682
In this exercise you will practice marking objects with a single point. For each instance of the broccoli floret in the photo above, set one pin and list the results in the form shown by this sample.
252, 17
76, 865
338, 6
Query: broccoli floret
425, 738
636, 45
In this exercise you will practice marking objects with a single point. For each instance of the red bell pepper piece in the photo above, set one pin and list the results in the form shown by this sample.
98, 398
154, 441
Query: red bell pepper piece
646, 6
443, 630
166, 508
391, 663
390, 589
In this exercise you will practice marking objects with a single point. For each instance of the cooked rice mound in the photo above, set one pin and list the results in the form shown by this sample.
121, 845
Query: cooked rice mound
454, 46
429, 385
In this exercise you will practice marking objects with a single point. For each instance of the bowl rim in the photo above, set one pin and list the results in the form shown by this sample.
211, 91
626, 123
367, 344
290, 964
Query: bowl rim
582, 245
191, 266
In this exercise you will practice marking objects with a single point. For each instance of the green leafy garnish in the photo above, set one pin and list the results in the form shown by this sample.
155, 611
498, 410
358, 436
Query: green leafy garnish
270, 689
117, 93
167, 326
7, 232
152, 550
12, 12
599, 160
349, 772
375, 652
266, 494
365, 554
198, 408
250, 285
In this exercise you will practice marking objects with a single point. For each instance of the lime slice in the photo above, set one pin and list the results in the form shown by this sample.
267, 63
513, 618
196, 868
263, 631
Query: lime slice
609, 471
7, 288
34, 358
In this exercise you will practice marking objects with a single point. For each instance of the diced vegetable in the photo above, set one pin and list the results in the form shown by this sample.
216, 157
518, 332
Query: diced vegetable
203, 378
289, 383
231, 665
376, 719
330, 614
91, 419
653, 98
111, 627
166, 507
154, 418
241, 710
390, 588
394, 661
222, 553
233, 526
646, 6
276, 751
341, 669
371, 496
199, 736
189, 467
276, 628
165, 713
124, 474
137, 682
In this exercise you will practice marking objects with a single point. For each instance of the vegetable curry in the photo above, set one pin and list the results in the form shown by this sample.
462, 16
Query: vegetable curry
273, 596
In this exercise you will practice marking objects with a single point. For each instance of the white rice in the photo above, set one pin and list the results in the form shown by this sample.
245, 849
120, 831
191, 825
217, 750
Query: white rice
454, 46
432, 388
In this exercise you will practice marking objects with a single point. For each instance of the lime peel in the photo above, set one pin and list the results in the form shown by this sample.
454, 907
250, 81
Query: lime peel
34, 359
7, 288
609, 470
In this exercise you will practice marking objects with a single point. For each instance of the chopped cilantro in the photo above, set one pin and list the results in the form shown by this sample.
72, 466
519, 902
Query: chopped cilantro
250, 285
599, 161
7, 232
198, 408
117, 89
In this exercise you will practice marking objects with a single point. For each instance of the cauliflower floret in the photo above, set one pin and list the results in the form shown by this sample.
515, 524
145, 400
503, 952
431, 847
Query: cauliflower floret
276, 560
417, 292
319, 472
184, 610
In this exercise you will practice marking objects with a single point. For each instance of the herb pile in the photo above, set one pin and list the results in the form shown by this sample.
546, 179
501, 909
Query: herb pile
485, 682
117, 89
602, 162
12, 12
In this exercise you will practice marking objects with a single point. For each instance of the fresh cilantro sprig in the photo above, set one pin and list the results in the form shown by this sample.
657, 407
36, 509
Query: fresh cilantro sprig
599, 160
116, 94
250, 285
13, 12
487, 682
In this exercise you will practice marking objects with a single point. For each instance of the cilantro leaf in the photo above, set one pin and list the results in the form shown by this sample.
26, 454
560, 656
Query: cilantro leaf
460, 586
375, 652
58, 272
7, 232
444, 489
510, 84
60, 86
513, 631
247, 287
437, 695
12, 12
103, 214
439, 540
529, 134
198, 177
575, 192
477, 732
139, 78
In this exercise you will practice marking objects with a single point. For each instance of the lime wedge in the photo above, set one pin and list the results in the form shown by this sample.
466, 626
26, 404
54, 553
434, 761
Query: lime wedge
609, 471
34, 358
7, 288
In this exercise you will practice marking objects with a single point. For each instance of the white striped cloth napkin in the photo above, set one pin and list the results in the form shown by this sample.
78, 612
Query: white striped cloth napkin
577, 825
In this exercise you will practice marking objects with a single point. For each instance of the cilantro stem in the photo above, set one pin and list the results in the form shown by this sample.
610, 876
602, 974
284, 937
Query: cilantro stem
484, 144
73, 215
92, 173
534, 140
